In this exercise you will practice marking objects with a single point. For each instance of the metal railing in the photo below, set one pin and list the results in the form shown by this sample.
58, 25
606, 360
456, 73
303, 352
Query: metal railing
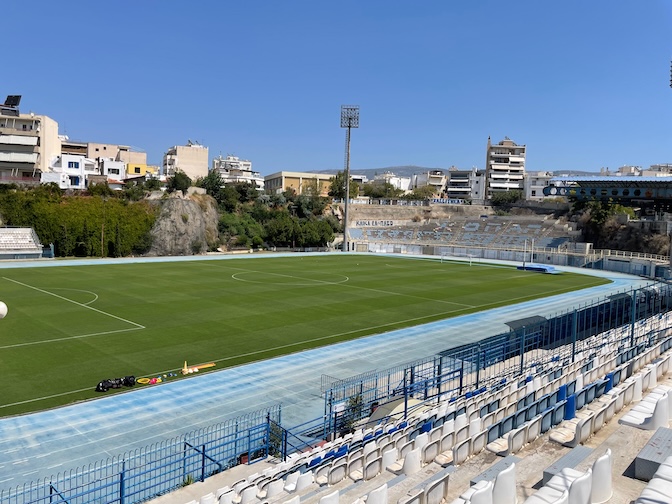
159, 468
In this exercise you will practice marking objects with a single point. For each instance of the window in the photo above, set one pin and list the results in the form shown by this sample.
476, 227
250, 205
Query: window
97, 149
137, 169
534, 193
73, 164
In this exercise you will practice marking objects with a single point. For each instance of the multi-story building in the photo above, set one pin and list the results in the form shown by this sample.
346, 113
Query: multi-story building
28, 142
396, 181
69, 171
235, 170
504, 167
191, 159
300, 182
436, 179
460, 183
535, 183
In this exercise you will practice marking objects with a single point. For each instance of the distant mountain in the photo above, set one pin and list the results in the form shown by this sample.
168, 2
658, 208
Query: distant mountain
402, 171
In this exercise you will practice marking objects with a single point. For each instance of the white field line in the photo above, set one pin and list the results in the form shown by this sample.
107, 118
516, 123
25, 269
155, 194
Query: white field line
83, 305
139, 326
345, 284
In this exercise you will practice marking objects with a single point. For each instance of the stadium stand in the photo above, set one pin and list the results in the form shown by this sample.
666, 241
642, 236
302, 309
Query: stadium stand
496, 231
412, 460
19, 243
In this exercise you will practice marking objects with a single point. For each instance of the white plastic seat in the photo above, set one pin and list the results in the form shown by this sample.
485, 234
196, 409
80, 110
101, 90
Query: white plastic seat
504, 488
601, 490
378, 496
332, 498
577, 483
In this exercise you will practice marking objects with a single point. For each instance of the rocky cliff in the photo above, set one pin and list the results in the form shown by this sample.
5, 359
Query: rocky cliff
186, 225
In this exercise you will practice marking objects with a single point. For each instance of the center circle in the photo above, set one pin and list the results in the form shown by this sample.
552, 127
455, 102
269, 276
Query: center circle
298, 280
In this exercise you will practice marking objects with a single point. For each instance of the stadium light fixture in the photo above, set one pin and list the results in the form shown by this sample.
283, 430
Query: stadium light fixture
349, 119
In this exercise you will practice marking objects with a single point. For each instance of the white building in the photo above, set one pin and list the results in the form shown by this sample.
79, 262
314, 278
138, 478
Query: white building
236, 170
504, 167
403, 183
112, 169
69, 171
535, 183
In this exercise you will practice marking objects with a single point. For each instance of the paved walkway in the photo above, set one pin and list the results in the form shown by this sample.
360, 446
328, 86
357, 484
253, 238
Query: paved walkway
43, 444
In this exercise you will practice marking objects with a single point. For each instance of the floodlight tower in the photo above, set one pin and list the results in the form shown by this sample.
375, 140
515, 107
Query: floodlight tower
349, 119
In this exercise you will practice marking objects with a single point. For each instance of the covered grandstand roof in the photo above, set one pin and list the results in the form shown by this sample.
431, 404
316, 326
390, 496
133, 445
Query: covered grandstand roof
627, 188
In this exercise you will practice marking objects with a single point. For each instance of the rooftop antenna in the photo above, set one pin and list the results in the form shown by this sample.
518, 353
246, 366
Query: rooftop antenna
349, 119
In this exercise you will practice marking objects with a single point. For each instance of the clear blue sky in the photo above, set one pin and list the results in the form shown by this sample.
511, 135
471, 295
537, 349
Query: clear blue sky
584, 84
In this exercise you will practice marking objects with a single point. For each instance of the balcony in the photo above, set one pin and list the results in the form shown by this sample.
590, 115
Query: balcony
18, 157
18, 140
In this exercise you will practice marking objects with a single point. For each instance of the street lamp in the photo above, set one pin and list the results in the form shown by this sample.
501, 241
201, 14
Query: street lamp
349, 119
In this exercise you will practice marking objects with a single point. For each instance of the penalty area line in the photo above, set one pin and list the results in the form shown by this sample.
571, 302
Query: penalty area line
138, 326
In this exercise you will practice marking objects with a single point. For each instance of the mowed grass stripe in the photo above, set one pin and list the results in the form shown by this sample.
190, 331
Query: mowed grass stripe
197, 311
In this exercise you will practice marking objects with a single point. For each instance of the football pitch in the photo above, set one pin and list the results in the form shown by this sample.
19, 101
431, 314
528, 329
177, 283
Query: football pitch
69, 327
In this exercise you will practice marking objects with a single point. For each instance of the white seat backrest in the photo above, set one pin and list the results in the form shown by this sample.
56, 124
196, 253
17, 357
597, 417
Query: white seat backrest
378, 496
601, 490
332, 498
504, 489
483, 495
580, 489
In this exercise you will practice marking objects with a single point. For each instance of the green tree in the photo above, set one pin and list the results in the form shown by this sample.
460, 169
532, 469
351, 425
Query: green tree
337, 187
382, 191
420, 193
213, 184
505, 198
180, 181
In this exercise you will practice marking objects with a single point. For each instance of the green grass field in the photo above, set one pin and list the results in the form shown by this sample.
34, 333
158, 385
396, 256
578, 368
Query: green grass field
69, 327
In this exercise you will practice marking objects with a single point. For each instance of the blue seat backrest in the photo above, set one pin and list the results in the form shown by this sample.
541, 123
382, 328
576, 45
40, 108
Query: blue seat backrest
562, 393
532, 411
591, 390
571, 388
314, 462
547, 420
403, 424
530, 398
519, 418
450, 416
507, 424
601, 387
617, 377
483, 411
553, 397
559, 412
426, 427
440, 421
580, 399
368, 436
544, 403
461, 411
494, 431
413, 434
343, 450
570, 407
520, 404
493, 406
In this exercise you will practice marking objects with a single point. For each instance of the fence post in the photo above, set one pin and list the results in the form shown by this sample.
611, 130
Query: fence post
202, 463
122, 477
575, 321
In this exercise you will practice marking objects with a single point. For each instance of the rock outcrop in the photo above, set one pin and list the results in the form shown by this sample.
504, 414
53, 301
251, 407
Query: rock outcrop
186, 225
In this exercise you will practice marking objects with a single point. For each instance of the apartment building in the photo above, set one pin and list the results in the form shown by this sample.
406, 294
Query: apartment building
504, 167
27, 144
535, 183
191, 159
436, 179
235, 170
